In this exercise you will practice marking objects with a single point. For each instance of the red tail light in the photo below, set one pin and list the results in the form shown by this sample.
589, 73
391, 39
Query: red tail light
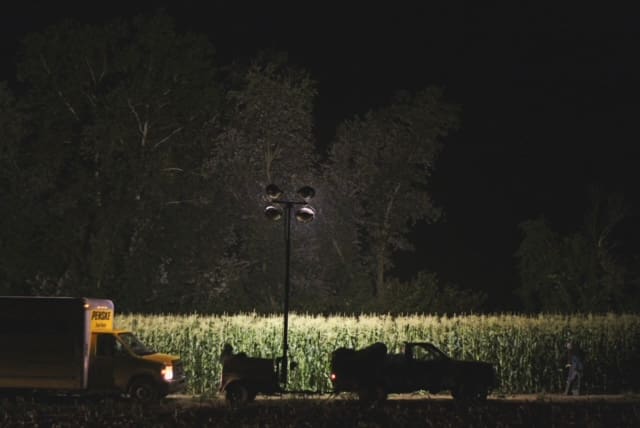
332, 377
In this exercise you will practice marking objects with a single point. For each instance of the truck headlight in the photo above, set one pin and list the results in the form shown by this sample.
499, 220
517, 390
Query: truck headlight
167, 372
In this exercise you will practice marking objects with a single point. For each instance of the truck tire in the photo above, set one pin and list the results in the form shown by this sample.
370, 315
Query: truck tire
481, 393
365, 396
458, 392
381, 394
465, 392
143, 390
237, 394
372, 395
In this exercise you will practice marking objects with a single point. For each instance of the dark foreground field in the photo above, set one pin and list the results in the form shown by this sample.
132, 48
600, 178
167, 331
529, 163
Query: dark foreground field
402, 411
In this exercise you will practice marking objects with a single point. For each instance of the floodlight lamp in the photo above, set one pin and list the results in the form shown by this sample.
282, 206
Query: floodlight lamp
307, 193
273, 191
305, 214
273, 212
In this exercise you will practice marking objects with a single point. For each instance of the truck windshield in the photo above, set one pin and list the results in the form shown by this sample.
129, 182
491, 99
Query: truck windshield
134, 344
427, 352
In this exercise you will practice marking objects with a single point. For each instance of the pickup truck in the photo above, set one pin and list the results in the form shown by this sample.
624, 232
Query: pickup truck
373, 373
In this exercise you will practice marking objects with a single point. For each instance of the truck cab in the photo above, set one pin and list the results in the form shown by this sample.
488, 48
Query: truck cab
119, 361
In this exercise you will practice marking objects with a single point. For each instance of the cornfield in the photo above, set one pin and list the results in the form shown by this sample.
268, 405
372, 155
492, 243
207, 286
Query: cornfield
529, 352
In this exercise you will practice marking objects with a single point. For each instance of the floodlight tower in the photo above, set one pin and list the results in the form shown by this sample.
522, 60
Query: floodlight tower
278, 208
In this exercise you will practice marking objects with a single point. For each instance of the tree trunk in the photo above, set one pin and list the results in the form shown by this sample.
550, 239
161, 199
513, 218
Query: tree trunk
379, 282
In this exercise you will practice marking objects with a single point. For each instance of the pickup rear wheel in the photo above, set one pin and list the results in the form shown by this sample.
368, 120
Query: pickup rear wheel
372, 395
458, 392
143, 390
469, 392
481, 394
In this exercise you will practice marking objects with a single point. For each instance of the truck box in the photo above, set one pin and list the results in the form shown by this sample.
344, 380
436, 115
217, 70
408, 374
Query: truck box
67, 344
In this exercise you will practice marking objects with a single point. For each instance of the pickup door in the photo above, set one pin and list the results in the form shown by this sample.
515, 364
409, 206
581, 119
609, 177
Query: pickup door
420, 368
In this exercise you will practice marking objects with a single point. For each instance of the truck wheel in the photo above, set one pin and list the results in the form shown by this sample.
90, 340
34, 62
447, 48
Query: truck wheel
457, 392
365, 395
469, 392
372, 395
237, 394
481, 392
143, 390
380, 394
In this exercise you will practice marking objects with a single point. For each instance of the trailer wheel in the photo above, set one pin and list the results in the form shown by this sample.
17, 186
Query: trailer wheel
237, 394
143, 390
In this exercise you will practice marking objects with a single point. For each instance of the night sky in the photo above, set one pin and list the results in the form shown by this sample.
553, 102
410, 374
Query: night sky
549, 97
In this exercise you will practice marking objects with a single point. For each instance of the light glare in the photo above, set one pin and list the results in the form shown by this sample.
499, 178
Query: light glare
167, 372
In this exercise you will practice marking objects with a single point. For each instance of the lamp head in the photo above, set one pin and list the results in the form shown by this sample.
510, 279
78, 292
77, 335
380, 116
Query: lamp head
273, 212
305, 214
273, 191
306, 193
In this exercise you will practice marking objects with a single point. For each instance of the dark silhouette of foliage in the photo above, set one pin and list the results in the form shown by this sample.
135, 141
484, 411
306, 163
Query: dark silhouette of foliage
580, 271
425, 293
114, 113
382, 165
134, 168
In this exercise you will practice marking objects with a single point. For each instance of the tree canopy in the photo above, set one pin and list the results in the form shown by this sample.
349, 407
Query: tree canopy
133, 166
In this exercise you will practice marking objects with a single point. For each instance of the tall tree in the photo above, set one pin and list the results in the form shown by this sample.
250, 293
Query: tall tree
143, 171
540, 260
266, 137
116, 112
381, 165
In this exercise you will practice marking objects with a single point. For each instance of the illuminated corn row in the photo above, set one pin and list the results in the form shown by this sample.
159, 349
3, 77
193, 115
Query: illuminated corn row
529, 352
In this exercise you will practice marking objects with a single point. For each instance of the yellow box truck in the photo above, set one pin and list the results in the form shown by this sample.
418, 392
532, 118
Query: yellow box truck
69, 345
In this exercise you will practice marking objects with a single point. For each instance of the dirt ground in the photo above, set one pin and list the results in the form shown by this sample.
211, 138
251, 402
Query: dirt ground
192, 400
307, 411
420, 410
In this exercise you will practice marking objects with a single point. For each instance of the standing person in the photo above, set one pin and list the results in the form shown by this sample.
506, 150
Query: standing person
575, 366
227, 352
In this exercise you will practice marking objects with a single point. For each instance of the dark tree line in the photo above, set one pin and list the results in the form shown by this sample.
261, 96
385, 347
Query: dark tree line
584, 270
133, 166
